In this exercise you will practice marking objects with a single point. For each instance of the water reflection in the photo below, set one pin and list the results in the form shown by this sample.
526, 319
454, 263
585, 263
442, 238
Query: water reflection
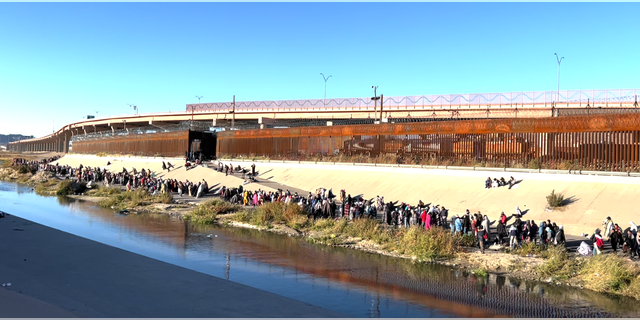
356, 283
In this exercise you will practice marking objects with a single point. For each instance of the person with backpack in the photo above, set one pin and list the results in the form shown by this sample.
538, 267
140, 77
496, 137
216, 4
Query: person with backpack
598, 242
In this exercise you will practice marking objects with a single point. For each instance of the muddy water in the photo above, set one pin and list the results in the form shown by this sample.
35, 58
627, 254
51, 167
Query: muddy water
352, 282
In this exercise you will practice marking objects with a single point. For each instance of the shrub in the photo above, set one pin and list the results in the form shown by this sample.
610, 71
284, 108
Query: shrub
27, 169
64, 188
555, 199
243, 216
535, 164
165, 198
427, 245
557, 264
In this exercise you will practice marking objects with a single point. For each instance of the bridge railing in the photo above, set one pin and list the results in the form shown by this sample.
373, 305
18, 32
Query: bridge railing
606, 98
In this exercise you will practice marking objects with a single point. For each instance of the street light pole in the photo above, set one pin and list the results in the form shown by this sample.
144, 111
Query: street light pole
375, 104
130, 105
325, 88
558, 92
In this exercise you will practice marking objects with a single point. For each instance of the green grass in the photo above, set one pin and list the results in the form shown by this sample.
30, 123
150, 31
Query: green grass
480, 272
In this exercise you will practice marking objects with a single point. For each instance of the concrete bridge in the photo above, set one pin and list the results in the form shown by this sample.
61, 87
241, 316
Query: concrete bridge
291, 113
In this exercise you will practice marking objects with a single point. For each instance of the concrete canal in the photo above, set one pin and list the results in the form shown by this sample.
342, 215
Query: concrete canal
347, 281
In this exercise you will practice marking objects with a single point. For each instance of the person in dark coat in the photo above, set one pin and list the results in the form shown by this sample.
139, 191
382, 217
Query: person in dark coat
466, 223
615, 238
560, 239
501, 232
482, 238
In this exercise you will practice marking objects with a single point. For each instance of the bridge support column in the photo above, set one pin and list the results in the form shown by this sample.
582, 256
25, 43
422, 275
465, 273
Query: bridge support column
65, 146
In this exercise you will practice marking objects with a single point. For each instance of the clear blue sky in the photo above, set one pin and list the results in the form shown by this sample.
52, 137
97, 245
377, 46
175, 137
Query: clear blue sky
62, 61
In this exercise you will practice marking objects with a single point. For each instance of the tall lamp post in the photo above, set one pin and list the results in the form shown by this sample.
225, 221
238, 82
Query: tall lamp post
325, 88
375, 99
558, 92
130, 106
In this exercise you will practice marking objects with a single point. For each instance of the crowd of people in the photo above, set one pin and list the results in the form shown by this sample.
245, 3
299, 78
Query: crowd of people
627, 239
325, 204
33, 163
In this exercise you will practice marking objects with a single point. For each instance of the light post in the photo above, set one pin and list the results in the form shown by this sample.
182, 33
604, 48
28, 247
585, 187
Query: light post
325, 88
130, 106
558, 92
199, 97
375, 99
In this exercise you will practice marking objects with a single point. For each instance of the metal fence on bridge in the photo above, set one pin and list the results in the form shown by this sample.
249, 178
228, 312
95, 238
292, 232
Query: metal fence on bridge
580, 98
594, 142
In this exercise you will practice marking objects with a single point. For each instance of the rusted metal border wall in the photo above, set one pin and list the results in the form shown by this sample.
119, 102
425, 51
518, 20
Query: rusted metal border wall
608, 142
169, 144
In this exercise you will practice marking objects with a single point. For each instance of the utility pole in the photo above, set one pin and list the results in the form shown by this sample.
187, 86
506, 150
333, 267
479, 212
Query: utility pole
375, 99
559, 61
233, 111
381, 103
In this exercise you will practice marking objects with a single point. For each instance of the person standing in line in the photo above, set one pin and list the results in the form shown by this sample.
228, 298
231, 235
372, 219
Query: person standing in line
482, 237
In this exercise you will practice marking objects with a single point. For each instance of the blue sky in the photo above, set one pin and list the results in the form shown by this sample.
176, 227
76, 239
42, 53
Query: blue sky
62, 61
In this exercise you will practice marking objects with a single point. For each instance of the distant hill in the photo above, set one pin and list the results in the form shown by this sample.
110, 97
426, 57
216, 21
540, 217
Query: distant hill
6, 138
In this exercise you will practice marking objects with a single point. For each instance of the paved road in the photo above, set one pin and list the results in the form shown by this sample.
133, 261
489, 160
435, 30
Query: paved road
60, 275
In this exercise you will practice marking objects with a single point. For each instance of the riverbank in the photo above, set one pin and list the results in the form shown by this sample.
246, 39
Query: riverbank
536, 265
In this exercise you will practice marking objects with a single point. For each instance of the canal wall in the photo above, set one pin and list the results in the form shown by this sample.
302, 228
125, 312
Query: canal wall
57, 274
591, 197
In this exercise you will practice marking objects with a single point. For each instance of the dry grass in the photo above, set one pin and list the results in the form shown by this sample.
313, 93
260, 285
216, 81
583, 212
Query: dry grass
611, 273
207, 212
132, 199
102, 191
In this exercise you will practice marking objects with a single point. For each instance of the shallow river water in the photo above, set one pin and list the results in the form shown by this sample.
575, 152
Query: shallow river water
352, 282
